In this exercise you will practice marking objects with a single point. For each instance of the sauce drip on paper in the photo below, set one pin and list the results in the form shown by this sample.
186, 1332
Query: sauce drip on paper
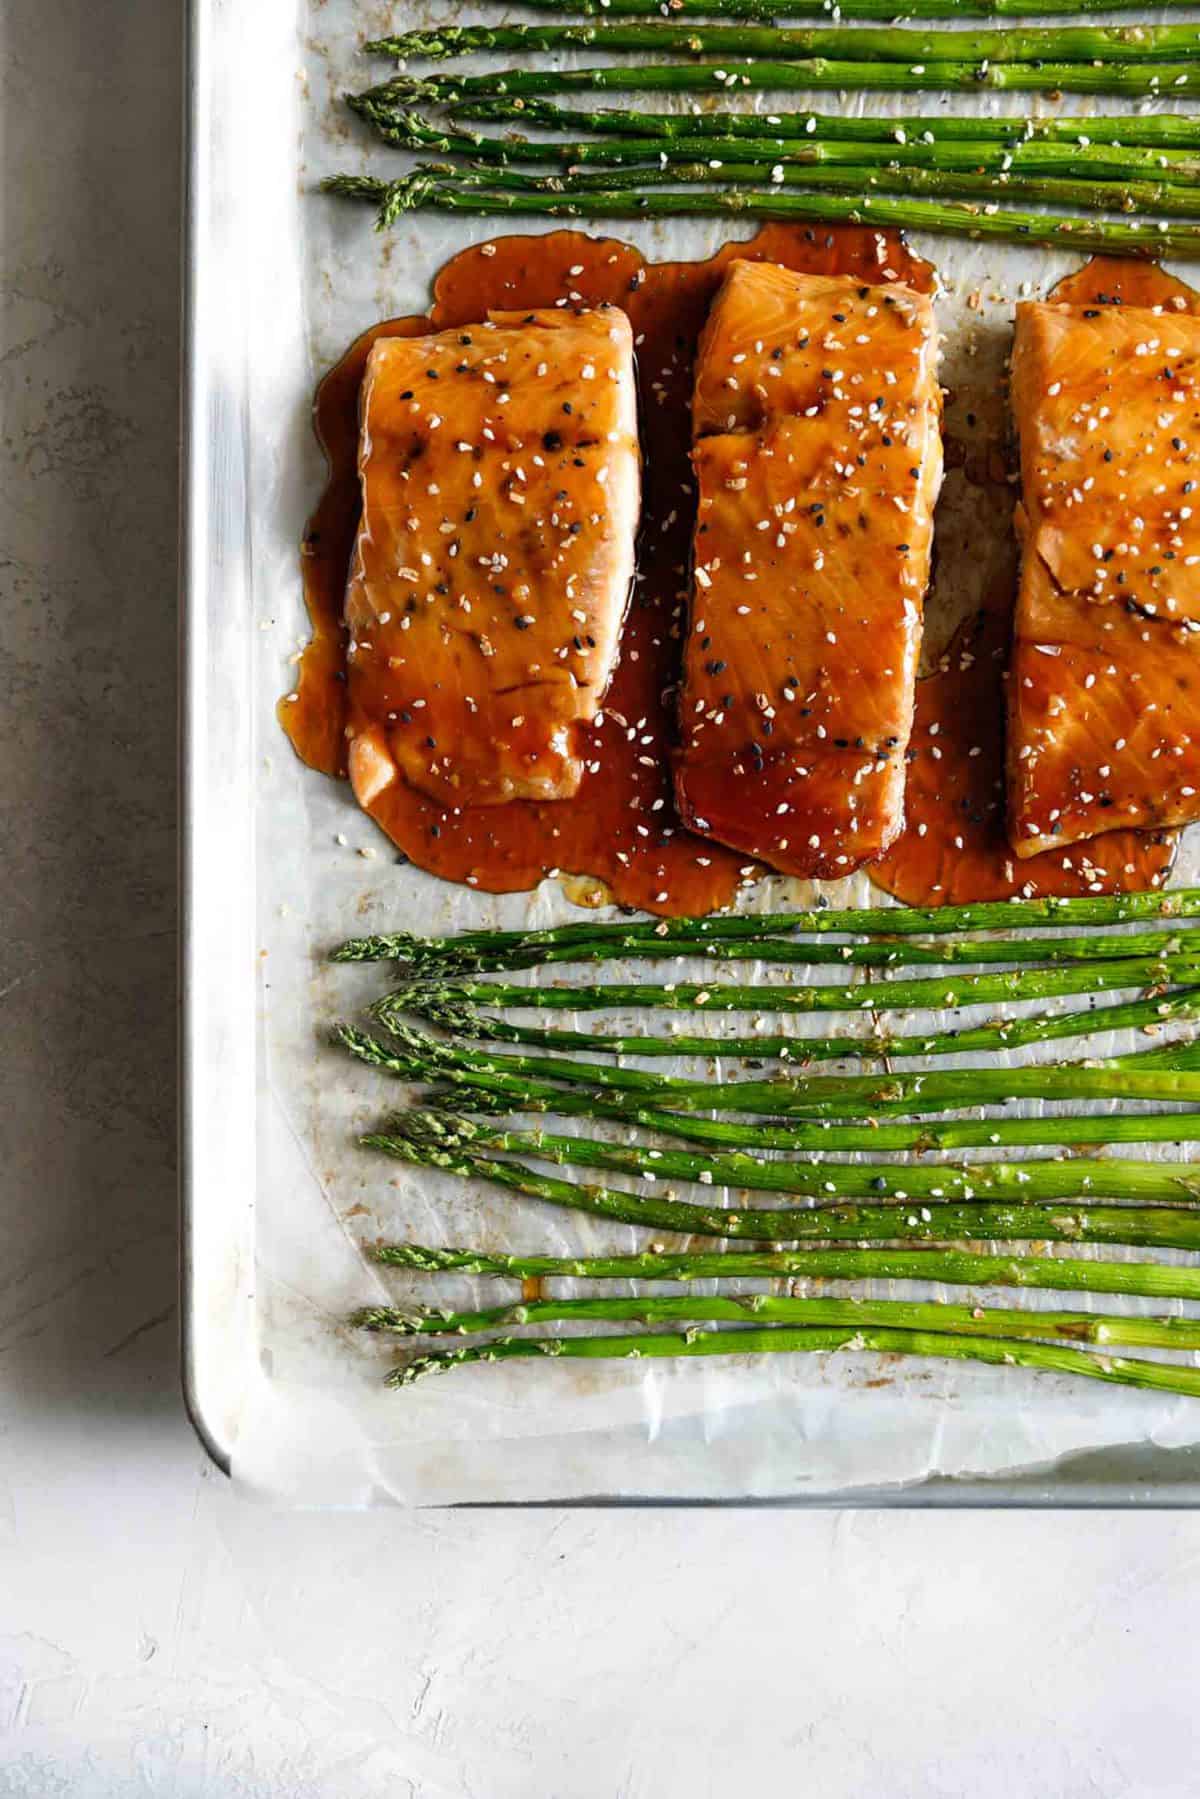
621, 829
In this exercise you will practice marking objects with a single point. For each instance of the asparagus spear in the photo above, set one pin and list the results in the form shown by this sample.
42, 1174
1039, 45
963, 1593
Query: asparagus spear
443, 957
1102, 1329
432, 998
1041, 1027
1136, 1226
875, 1134
1152, 1280
1132, 79
999, 1351
1096, 946
1179, 130
671, 935
884, 952
860, 44
422, 192
495, 1094
1155, 198
818, 1178
420, 1057
847, 9
407, 130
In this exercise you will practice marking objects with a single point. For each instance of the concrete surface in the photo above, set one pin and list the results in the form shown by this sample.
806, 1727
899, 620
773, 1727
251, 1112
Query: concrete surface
157, 1635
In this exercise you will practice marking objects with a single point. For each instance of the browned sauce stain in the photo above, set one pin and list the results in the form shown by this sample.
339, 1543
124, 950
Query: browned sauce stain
955, 846
622, 828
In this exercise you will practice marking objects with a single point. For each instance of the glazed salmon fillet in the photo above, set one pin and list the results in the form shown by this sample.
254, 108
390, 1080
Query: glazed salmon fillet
818, 458
1104, 682
499, 473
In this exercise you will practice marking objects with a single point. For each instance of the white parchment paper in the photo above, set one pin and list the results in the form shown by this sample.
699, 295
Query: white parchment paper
317, 1425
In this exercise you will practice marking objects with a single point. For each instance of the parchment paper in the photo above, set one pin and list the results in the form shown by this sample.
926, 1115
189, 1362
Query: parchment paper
318, 1426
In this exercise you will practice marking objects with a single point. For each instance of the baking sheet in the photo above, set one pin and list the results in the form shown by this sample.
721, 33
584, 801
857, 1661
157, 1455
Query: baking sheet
280, 865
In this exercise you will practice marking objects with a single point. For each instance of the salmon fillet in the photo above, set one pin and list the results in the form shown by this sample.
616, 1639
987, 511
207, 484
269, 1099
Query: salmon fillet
818, 460
499, 473
1104, 682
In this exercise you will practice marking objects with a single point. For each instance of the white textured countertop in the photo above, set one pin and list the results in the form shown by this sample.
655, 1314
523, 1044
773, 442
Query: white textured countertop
160, 1636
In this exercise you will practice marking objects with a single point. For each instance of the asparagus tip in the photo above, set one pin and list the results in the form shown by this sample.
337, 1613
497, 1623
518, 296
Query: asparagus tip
408, 1372
363, 949
414, 1042
429, 44
404, 87
422, 1126
425, 1150
395, 1321
482, 1103
381, 1318
425, 999
354, 187
420, 1257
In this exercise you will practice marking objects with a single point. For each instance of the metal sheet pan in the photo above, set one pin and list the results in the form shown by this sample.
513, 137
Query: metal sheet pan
276, 1199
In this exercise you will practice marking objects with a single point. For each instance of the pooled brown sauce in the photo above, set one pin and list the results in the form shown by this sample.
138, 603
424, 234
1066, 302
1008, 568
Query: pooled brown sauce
621, 829
1116, 281
955, 846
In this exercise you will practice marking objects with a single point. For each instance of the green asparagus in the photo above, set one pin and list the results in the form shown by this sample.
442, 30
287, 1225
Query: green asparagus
879, 1135
859, 44
1148, 198
1180, 131
674, 935
999, 1351
950, 1267
435, 999
818, 1178
1101, 163
767, 10
1133, 79
1145, 1226
1102, 1329
419, 1057
1039, 1027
